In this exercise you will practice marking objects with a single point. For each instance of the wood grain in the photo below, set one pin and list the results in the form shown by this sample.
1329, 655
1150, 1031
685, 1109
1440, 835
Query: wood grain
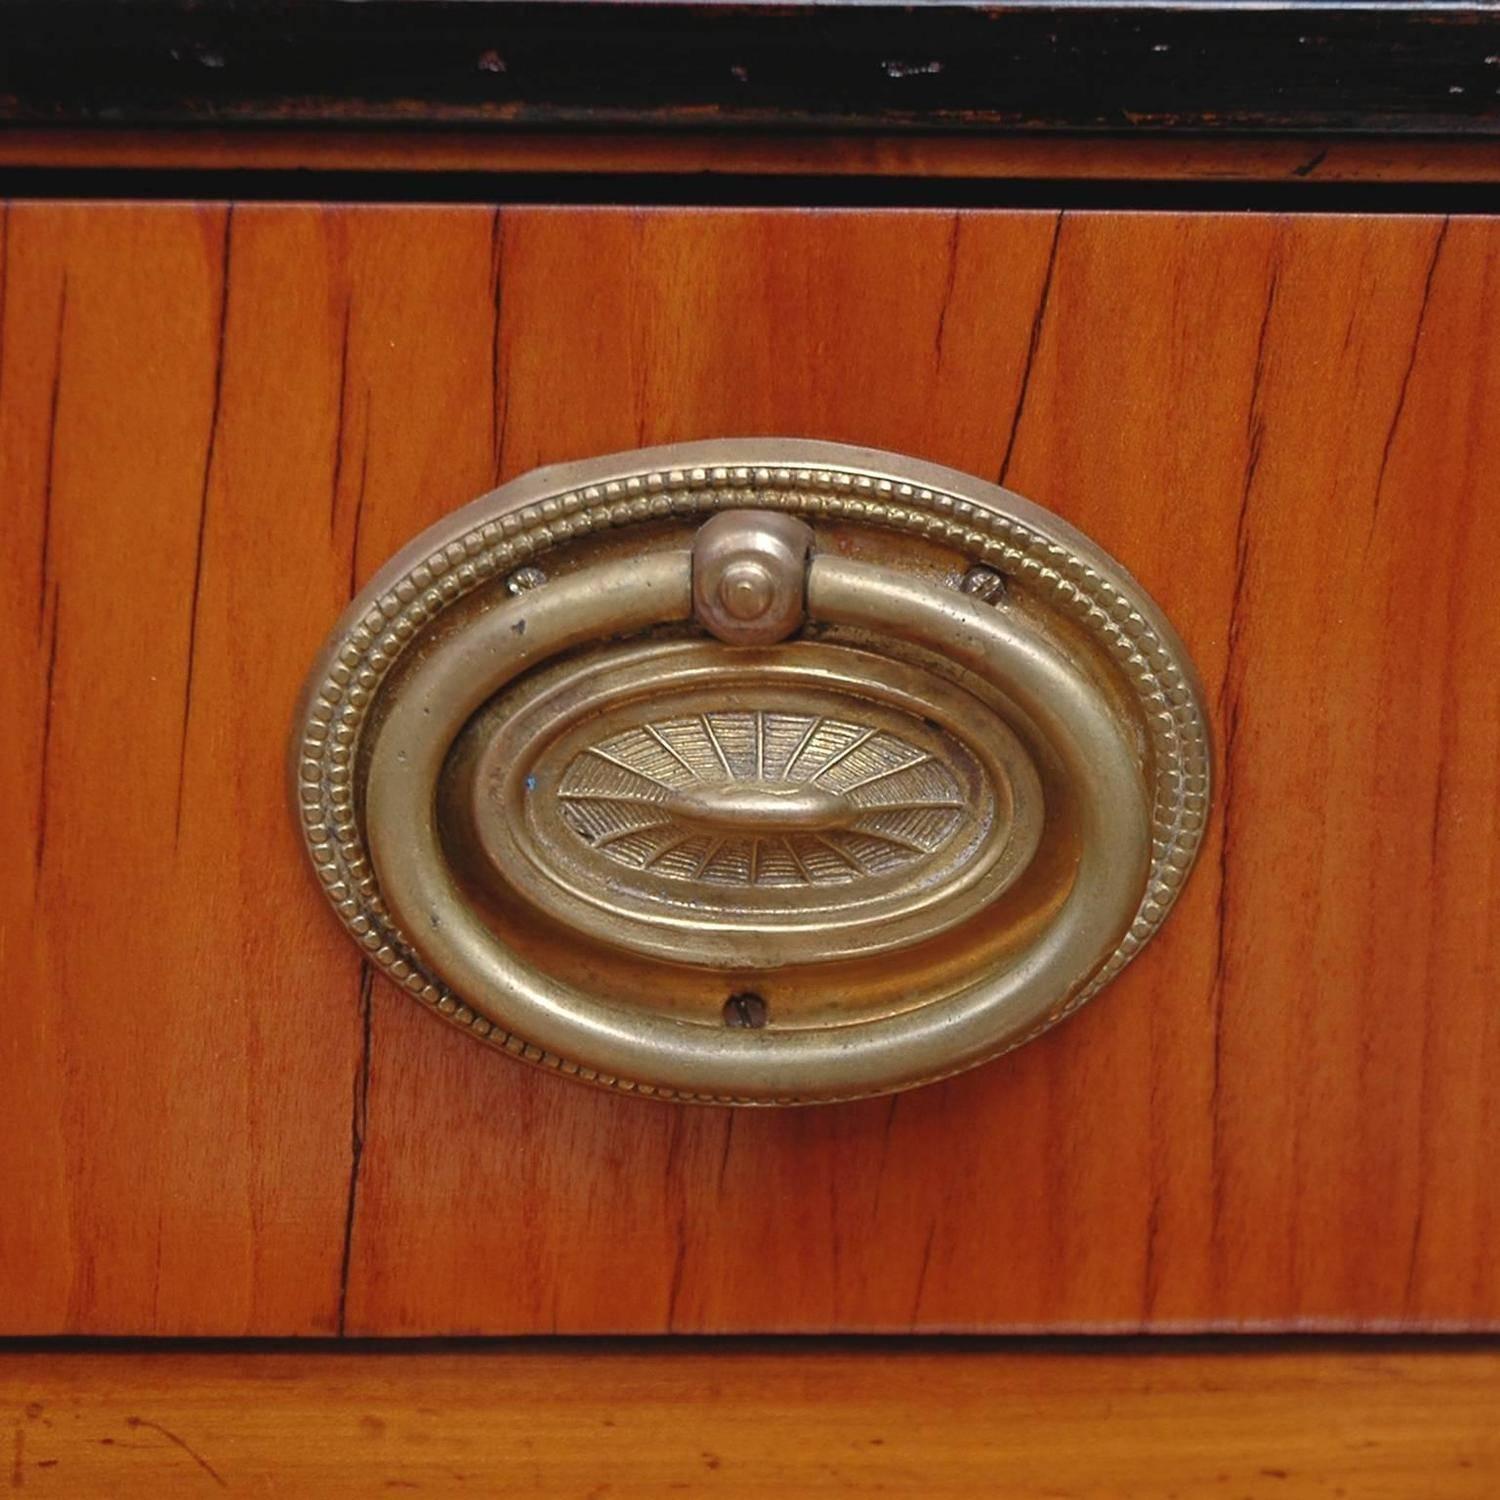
759, 1420
1287, 160
170, 1090
1284, 1115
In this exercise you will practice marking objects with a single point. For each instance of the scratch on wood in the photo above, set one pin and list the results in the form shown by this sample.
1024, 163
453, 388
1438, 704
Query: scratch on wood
209, 450
43, 778
338, 435
359, 1121
953, 236
18, 1459
171, 1437
45, 561
1038, 321
1411, 363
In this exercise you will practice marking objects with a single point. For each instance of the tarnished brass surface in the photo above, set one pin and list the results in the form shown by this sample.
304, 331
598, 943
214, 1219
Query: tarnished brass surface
749, 576
751, 810
888, 752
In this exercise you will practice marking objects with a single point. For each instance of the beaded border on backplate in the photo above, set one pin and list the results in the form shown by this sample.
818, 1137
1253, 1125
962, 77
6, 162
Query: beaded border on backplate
491, 549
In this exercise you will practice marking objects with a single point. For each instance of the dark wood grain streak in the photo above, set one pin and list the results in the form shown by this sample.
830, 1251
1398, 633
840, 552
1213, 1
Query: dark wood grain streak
43, 571
338, 436
1037, 321
942, 323
47, 591
358, 1125
42, 778
1227, 719
191, 654
1416, 340
359, 503
165, 1079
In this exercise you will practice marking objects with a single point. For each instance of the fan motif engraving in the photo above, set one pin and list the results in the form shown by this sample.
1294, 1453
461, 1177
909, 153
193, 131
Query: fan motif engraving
761, 797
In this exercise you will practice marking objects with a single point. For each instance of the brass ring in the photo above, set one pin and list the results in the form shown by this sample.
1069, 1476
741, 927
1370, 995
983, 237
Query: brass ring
685, 1057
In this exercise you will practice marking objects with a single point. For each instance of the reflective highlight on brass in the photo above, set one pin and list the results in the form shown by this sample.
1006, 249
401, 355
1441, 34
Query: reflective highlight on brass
749, 576
893, 751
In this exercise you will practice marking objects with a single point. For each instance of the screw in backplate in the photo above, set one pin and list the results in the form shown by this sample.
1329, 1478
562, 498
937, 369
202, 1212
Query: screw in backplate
524, 579
746, 1010
986, 585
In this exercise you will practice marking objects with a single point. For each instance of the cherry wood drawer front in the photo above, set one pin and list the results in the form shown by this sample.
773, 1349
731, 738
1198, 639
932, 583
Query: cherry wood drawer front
215, 423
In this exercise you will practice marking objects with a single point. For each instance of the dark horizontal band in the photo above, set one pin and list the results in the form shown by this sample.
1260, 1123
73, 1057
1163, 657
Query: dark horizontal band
1089, 66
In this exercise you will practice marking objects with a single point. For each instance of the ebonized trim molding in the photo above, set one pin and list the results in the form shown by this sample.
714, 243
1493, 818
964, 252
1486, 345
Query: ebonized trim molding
1082, 66
646, 191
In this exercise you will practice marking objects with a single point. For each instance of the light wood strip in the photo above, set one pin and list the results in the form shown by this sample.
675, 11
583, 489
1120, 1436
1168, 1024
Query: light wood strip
758, 1421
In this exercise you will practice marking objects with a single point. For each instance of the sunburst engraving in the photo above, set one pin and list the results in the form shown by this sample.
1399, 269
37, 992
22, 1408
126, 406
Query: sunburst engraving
706, 805
761, 797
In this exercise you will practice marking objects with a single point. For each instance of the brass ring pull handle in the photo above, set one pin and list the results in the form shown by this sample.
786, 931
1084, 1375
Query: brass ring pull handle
772, 806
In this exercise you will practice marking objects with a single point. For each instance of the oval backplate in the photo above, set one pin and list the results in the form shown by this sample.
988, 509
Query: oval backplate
715, 805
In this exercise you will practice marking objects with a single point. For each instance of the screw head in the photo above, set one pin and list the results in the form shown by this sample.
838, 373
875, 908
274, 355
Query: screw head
525, 579
986, 584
